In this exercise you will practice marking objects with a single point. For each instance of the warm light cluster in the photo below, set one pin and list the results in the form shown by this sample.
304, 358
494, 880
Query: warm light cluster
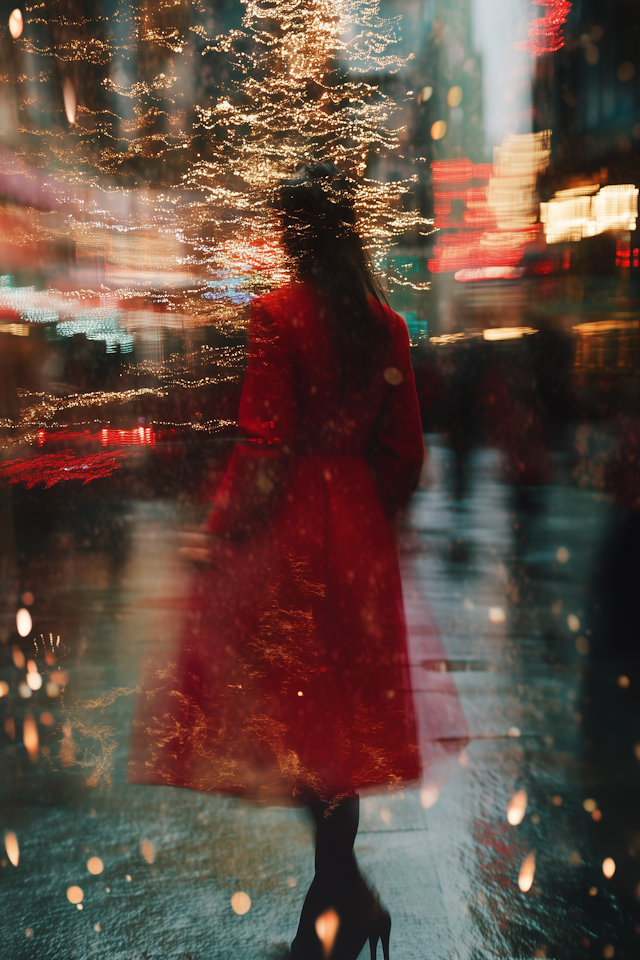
293, 104
496, 221
299, 84
589, 210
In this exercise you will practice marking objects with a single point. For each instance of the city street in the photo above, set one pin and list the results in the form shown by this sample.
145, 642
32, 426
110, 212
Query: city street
485, 557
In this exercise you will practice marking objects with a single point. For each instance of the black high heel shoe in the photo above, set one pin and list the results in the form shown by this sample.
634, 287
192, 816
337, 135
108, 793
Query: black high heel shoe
381, 931
370, 921
362, 918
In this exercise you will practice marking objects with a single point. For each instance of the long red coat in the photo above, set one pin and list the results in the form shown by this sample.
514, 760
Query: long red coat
292, 677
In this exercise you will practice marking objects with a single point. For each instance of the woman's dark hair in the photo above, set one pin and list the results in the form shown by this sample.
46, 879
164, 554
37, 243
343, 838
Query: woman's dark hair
319, 234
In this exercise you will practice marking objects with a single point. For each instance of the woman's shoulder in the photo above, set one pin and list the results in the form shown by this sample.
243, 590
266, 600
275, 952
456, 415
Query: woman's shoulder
392, 320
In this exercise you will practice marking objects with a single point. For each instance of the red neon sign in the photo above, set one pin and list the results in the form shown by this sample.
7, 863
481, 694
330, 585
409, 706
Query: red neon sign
545, 33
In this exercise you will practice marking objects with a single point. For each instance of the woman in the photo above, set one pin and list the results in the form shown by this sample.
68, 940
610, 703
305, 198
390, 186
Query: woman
292, 682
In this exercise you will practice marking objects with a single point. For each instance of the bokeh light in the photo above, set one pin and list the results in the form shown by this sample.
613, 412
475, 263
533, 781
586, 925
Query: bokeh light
241, 902
16, 23
517, 808
527, 872
12, 848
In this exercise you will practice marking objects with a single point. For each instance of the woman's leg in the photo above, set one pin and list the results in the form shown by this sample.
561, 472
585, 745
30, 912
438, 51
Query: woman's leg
336, 831
337, 880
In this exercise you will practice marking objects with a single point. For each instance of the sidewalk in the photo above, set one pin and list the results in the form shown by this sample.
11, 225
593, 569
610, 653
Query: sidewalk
448, 873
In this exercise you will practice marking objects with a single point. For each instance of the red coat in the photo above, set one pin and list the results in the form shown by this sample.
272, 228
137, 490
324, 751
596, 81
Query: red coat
292, 676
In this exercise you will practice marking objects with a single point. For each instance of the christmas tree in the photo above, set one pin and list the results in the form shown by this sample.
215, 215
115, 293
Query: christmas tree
202, 118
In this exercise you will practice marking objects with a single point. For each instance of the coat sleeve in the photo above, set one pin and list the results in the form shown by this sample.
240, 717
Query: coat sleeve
256, 473
397, 449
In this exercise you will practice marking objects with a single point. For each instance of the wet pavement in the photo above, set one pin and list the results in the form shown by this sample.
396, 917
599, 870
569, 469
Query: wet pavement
509, 576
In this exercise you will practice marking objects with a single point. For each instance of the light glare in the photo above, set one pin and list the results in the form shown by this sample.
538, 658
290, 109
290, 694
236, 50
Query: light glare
16, 23
517, 808
327, 926
23, 622
241, 902
429, 796
12, 848
527, 872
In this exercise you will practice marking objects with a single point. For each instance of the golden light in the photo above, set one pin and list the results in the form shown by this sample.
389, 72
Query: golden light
241, 902
46, 719
10, 727
582, 646
24, 622
557, 800
573, 623
497, 615
513, 732
69, 97
608, 951
95, 865
527, 872
507, 333
59, 677
454, 97
12, 848
589, 210
438, 130
517, 808
385, 816
75, 894
425, 94
4, 688
34, 679
590, 805
52, 689
562, 555
30, 736
623, 681
148, 851
16, 23
327, 926
18, 657
429, 796
608, 867
24, 690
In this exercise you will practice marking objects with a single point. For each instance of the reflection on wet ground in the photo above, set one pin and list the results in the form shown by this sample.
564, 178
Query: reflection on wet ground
512, 576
